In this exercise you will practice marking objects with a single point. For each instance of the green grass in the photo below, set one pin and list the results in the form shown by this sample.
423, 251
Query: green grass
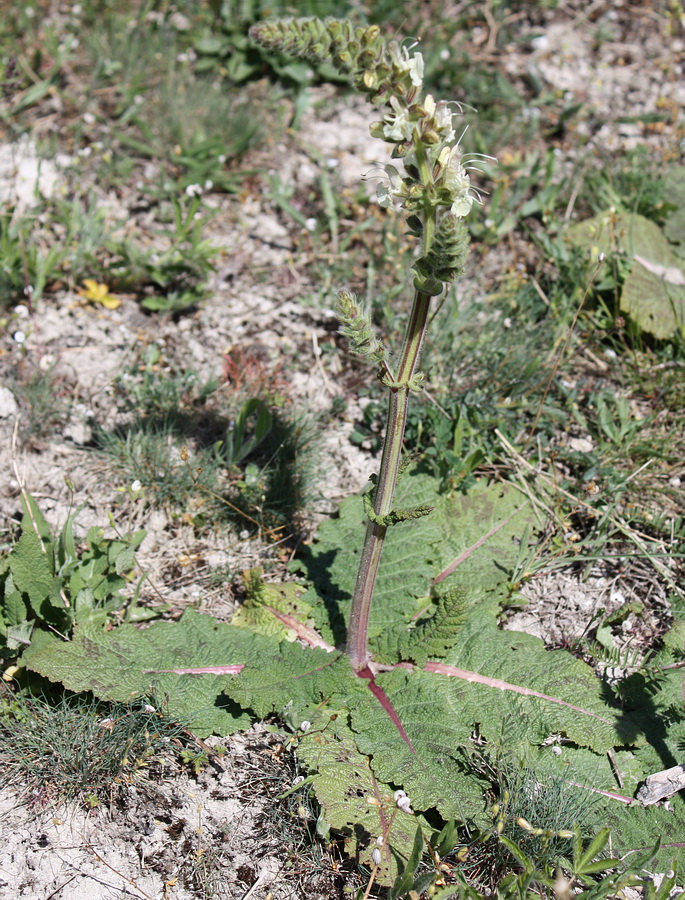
176, 438
79, 749
45, 400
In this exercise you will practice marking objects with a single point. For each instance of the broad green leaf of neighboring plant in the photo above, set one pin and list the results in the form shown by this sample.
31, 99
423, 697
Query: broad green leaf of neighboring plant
120, 664
32, 574
653, 293
261, 598
356, 804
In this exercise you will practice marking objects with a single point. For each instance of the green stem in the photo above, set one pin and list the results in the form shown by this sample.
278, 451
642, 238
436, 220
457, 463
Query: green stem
358, 627
374, 540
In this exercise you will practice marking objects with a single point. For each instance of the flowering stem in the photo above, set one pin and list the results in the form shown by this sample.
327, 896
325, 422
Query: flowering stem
436, 191
358, 626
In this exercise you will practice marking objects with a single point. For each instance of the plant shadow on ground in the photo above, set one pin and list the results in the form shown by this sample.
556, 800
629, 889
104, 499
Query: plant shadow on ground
178, 457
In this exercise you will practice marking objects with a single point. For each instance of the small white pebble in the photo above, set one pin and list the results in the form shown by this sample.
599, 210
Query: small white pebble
135, 486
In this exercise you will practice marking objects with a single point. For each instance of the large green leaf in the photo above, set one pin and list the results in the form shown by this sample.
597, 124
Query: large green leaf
653, 294
481, 531
407, 566
293, 678
428, 762
117, 664
478, 530
356, 804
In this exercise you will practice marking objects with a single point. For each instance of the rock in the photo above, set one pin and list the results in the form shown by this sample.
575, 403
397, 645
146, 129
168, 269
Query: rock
8, 405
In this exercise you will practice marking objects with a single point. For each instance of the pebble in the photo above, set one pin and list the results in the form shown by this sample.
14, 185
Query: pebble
8, 405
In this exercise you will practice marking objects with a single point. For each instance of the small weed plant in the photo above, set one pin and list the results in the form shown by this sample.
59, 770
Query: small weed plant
385, 660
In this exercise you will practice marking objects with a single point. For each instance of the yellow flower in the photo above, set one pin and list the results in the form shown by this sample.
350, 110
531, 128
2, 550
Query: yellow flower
96, 292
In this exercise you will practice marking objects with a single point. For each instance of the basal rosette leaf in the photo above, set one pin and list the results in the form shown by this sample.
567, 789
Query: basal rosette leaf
116, 664
429, 766
356, 804
482, 528
294, 678
581, 712
408, 562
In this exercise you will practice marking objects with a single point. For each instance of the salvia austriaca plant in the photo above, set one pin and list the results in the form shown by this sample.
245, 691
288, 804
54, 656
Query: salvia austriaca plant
444, 689
429, 181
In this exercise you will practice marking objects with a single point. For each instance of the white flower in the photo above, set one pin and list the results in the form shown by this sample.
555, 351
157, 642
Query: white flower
397, 126
136, 486
305, 725
386, 192
384, 195
19, 337
416, 69
457, 182
443, 119
405, 63
404, 803
376, 856
193, 190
